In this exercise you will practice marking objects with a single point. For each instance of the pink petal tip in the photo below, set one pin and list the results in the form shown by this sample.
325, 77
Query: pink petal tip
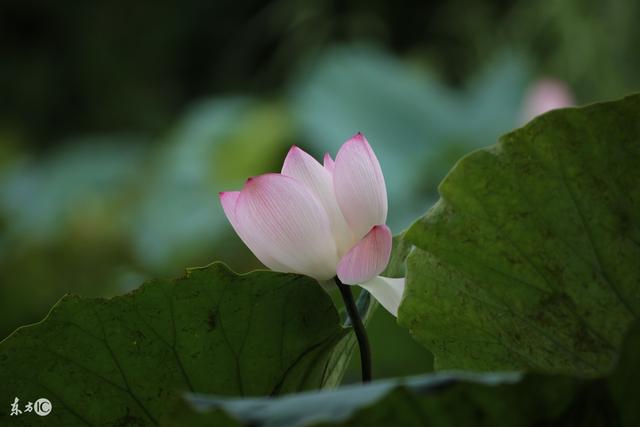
368, 258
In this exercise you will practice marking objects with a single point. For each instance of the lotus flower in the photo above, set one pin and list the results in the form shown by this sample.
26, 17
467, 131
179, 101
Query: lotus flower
321, 220
544, 95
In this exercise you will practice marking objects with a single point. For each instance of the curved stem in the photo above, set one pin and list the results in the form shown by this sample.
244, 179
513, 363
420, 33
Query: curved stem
358, 327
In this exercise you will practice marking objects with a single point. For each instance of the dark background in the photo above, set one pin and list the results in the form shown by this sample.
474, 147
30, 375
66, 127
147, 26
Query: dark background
72, 66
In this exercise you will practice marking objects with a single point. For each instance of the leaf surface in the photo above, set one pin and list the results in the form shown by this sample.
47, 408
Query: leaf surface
438, 400
530, 259
119, 361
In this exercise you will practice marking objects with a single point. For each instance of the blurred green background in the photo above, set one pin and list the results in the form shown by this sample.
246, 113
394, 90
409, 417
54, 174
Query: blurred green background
121, 121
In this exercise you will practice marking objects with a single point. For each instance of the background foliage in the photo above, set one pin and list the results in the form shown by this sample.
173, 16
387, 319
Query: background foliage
527, 262
114, 141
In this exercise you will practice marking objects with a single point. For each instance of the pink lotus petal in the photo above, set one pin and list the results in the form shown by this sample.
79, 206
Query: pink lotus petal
368, 258
328, 162
359, 186
286, 220
387, 291
301, 166
229, 200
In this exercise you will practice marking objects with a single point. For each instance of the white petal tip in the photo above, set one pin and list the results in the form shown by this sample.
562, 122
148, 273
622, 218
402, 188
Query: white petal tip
387, 291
